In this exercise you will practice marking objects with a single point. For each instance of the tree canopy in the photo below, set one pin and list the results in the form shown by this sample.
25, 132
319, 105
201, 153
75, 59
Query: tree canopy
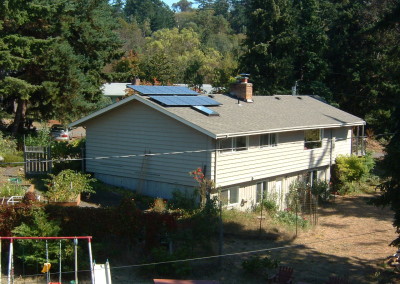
52, 54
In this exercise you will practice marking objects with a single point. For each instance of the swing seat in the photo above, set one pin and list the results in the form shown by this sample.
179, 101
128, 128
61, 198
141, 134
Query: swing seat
55, 283
46, 267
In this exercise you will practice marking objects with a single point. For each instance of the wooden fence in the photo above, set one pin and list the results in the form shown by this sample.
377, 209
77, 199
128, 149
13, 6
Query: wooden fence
37, 160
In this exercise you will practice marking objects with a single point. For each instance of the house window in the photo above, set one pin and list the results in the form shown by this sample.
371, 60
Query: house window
230, 196
261, 191
312, 139
240, 143
233, 144
311, 177
268, 140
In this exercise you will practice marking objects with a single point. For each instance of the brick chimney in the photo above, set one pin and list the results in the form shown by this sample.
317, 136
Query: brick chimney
242, 89
136, 81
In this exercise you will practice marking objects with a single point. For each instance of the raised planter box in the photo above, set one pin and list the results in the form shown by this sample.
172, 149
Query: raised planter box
67, 203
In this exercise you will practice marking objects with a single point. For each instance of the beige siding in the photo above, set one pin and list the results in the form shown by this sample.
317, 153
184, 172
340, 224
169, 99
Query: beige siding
248, 191
135, 129
287, 157
343, 141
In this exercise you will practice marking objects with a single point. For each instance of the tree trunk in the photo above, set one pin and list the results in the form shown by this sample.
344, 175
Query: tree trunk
19, 118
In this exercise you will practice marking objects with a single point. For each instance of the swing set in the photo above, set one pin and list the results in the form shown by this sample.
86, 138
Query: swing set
47, 265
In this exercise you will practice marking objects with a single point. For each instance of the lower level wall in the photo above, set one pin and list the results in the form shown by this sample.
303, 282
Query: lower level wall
276, 188
145, 187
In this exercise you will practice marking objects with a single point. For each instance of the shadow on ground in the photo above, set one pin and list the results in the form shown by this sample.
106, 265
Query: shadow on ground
355, 206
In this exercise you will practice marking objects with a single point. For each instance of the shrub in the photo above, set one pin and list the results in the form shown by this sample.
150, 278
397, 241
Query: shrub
268, 205
184, 200
41, 138
352, 187
205, 185
10, 189
9, 152
67, 150
8, 145
353, 168
351, 171
29, 197
320, 188
159, 205
15, 159
67, 185
289, 218
259, 265
178, 269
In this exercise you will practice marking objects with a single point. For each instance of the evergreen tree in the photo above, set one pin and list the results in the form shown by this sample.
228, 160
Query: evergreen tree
310, 63
391, 189
155, 12
52, 54
270, 41
363, 66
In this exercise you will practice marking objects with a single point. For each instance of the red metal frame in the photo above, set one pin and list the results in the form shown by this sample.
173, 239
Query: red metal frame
10, 263
89, 238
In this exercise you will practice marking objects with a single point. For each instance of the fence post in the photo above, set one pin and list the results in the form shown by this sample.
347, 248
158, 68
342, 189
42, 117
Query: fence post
296, 214
221, 232
50, 161
83, 164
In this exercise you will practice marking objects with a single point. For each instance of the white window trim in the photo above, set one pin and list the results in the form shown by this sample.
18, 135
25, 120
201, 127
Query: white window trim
321, 134
233, 147
229, 196
263, 190
269, 145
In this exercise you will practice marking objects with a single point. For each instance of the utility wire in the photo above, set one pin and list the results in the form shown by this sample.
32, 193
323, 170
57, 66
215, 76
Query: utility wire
222, 150
230, 254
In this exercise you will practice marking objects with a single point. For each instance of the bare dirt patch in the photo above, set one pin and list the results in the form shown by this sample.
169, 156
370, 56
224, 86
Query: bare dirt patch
351, 240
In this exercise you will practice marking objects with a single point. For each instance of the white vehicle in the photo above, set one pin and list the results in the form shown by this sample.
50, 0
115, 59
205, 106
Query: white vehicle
60, 133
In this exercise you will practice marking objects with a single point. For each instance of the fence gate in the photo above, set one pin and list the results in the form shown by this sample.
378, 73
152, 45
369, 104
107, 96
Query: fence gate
37, 160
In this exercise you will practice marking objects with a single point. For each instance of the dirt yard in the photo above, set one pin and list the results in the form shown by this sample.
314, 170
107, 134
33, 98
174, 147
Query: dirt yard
350, 241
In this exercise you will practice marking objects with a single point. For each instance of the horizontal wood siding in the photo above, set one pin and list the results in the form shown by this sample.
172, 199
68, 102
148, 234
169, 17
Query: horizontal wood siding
343, 141
289, 156
135, 129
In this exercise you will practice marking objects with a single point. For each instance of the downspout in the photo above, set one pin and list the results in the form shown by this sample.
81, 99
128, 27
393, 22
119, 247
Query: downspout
215, 163
363, 140
331, 156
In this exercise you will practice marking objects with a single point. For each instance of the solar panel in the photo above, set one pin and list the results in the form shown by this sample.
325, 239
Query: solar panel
206, 111
163, 90
185, 101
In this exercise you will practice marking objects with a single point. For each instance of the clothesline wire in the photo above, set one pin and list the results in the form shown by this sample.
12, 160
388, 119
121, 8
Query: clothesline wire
168, 153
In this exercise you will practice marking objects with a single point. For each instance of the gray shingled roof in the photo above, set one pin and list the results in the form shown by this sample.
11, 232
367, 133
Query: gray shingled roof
267, 114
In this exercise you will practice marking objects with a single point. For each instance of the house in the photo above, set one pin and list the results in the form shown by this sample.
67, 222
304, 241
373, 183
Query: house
205, 88
247, 144
114, 91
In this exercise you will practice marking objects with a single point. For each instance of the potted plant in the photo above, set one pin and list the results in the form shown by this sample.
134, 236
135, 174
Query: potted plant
65, 188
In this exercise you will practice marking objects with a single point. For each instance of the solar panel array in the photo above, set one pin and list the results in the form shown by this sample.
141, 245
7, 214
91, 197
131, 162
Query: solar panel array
185, 101
163, 90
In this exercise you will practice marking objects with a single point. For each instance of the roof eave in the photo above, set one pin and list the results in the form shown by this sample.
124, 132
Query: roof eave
287, 129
